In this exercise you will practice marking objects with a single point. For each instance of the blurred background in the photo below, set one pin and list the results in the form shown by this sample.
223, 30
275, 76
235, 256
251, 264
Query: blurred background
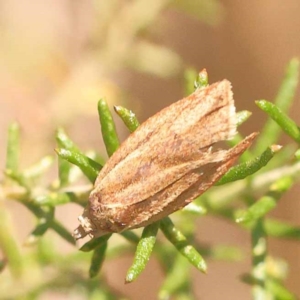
58, 57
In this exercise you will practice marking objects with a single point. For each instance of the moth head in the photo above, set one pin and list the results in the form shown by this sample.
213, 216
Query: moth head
86, 227
96, 220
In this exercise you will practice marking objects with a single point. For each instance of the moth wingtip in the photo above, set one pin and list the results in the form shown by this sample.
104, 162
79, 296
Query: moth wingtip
226, 84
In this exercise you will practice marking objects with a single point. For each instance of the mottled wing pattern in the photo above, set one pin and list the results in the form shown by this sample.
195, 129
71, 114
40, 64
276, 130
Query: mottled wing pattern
181, 192
176, 142
165, 164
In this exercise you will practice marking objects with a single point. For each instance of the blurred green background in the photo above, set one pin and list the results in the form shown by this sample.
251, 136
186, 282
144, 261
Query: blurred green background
58, 57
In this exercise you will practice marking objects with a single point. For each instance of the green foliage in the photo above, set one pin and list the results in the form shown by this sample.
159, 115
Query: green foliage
144, 250
245, 182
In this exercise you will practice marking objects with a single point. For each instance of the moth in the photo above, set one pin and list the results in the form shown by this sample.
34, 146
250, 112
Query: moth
170, 160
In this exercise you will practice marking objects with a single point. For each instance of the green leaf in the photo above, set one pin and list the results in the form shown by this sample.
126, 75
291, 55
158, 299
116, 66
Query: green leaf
89, 167
143, 252
64, 167
182, 245
279, 291
37, 233
242, 116
259, 264
128, 117
108, 128
206, 11
19, 178
250, 167
62, 231
266, 203
97, 259
9, 244
190, 74
38, 169
177, 279
69, 152
196, 209
130, 236
270, 133
13, 145
285, 122
53, 199
281, 229
63, 141
201, 80
95, 242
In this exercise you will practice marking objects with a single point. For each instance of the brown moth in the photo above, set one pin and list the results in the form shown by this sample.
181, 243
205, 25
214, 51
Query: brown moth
165, 164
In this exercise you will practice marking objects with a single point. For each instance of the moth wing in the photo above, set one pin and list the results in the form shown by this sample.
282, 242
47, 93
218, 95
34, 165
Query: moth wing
182, 192
175, 141
182, 120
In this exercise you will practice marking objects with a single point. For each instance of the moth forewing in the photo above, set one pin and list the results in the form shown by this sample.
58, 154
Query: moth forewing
166, 163
180, 192
183, 116
172, 137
